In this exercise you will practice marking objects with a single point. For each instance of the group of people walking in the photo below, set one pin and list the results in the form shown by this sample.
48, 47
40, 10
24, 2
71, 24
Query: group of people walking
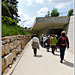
52, 41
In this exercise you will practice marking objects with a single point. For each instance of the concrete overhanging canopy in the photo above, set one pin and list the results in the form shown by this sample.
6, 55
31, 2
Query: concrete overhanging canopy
49, 23
31, 31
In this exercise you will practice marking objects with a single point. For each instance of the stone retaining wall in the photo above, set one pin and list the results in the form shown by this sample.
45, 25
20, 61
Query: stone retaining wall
11, 47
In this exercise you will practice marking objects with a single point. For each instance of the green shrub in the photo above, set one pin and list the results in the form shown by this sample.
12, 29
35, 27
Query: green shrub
70, 12
54, 13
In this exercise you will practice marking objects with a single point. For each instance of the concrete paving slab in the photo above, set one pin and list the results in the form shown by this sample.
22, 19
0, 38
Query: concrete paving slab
45, 63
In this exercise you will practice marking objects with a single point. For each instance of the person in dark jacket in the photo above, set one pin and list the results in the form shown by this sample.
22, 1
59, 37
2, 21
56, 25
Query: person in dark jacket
62, 43
47, 43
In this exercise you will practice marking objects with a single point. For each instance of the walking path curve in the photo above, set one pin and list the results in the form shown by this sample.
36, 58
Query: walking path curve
45, 63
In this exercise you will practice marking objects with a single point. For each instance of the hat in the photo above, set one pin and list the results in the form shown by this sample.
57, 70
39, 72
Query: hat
63, 32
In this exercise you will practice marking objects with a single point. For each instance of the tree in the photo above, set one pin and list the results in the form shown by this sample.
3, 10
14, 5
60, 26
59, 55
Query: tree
30, 28
25, 27
5, 9
9, 9
14, 9
48, 14
70, 12
54, 13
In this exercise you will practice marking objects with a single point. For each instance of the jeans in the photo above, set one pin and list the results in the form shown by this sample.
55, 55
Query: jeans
41, 42
44, 44
62, 53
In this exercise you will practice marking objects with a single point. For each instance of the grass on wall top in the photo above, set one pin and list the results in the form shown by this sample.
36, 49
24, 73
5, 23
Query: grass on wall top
8, 30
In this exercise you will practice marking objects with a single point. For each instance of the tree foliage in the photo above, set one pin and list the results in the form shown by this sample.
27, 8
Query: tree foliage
9, 21
70, 12
9, 9
48, 14
54, 13
25, 27
5, 9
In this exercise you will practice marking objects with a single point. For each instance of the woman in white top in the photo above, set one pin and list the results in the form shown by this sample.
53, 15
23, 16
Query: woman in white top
35, 44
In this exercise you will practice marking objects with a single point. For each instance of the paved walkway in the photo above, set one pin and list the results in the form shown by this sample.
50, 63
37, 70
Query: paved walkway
44, 64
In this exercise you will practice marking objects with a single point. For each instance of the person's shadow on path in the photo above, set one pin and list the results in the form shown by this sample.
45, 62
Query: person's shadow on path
68, 63
56, 54
39, 56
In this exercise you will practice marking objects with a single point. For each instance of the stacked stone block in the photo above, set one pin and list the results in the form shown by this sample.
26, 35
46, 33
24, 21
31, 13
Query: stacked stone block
11, 46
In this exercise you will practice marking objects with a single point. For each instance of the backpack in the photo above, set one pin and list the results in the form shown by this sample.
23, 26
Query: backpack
63, 41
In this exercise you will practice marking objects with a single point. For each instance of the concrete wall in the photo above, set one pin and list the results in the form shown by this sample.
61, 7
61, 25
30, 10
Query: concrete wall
52, 19
70, 33
43, 31
11, 46
50, 22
